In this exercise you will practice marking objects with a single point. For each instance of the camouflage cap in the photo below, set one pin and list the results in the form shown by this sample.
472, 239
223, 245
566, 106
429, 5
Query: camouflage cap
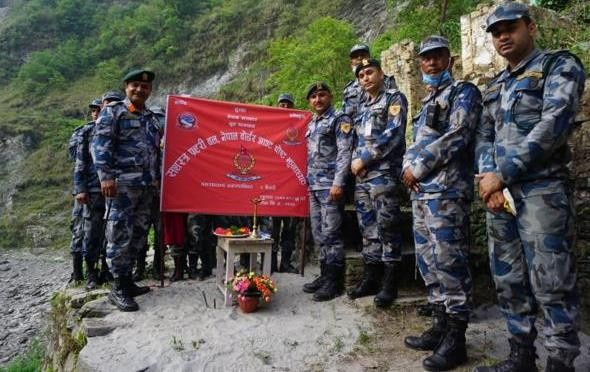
433, 42
359, 48
95, 103
285, 97
316, 87
507, 11
367, 62
113, 95
139, 75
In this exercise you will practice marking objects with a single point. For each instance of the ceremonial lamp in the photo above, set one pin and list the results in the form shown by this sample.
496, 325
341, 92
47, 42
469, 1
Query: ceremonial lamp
254, 233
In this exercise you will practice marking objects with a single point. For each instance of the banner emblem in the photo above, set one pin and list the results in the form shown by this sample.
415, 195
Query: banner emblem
244, 162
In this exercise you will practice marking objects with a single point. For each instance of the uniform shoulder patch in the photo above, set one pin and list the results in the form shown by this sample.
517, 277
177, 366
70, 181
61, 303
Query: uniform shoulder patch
345, 127
394, 109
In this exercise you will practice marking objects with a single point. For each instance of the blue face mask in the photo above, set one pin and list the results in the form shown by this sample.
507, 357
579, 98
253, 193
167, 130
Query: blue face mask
436, 80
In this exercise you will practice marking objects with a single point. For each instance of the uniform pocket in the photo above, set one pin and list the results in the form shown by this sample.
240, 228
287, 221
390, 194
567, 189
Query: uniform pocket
528, 104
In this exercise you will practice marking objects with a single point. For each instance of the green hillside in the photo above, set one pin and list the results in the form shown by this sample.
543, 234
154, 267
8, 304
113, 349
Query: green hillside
56, 55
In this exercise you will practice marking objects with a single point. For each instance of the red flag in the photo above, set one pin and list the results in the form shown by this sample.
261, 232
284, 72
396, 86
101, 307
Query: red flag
218, 156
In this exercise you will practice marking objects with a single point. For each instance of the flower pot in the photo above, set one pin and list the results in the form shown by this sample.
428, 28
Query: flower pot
248, 303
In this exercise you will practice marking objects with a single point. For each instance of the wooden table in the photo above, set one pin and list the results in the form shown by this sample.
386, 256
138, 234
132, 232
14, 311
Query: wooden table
235, 246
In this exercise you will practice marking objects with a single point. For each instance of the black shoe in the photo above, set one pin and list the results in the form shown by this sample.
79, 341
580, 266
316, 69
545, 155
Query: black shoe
133, 289
451, 351
388, 292
425, 310
77, 272
432, 336
120, 297
369, 284
193, 260
92, 279
521, 359
555, 365
316, 284
332, 284
178, 269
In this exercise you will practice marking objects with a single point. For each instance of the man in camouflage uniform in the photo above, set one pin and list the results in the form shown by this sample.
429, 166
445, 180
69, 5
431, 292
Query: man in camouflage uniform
200, 243
376, 163
87, 193
438, 169
77, 224
354, 95
284, 229
329, 148
126, 153
522, 152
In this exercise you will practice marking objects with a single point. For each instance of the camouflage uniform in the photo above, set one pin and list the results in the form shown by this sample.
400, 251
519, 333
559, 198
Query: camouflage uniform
380, 133
528, 115
441, 159
329, 143
86, 181
77, 223
354, 96
126, 148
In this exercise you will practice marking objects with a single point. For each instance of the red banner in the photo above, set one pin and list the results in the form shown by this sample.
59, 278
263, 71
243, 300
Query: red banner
219, 156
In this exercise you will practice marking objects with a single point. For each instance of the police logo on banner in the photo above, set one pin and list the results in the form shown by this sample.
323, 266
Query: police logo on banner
187, 120
244, 161
291, 135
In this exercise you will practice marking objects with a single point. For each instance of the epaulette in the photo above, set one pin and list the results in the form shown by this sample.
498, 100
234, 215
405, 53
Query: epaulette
115, 103
491, 85
349, 84
78, 128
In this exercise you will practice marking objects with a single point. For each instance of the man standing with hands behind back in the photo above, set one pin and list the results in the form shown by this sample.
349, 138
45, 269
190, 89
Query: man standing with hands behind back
522, 150
126, 152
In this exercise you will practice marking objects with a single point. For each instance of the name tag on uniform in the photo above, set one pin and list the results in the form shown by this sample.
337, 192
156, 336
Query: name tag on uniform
368, 129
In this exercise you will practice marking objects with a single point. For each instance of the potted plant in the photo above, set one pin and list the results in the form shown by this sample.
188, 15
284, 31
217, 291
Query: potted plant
249, 287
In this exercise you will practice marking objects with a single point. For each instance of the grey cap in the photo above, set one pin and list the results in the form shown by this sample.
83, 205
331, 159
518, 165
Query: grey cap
508, 11
285, 97
113, 95
157, 110
359, 48
95, 103
433, 42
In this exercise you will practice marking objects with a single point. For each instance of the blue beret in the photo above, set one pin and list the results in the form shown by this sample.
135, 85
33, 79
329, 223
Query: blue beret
139, 75
433, 42
366, 63
359, 48
286, 97
316, 87
508, 11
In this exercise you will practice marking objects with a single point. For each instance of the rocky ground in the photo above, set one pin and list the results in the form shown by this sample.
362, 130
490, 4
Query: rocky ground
27, 281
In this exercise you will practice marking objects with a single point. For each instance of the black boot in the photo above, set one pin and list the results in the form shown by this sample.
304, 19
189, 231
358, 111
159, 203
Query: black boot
521, 359
77, 272
451, 351
105, 275
369, 284
425, 310
139, 273
193, 260
317, 282
206, 264
432, 336
285, 266
332, 284
178, 269
133, 289
92, 279
555, 365
120, 297
388, 292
